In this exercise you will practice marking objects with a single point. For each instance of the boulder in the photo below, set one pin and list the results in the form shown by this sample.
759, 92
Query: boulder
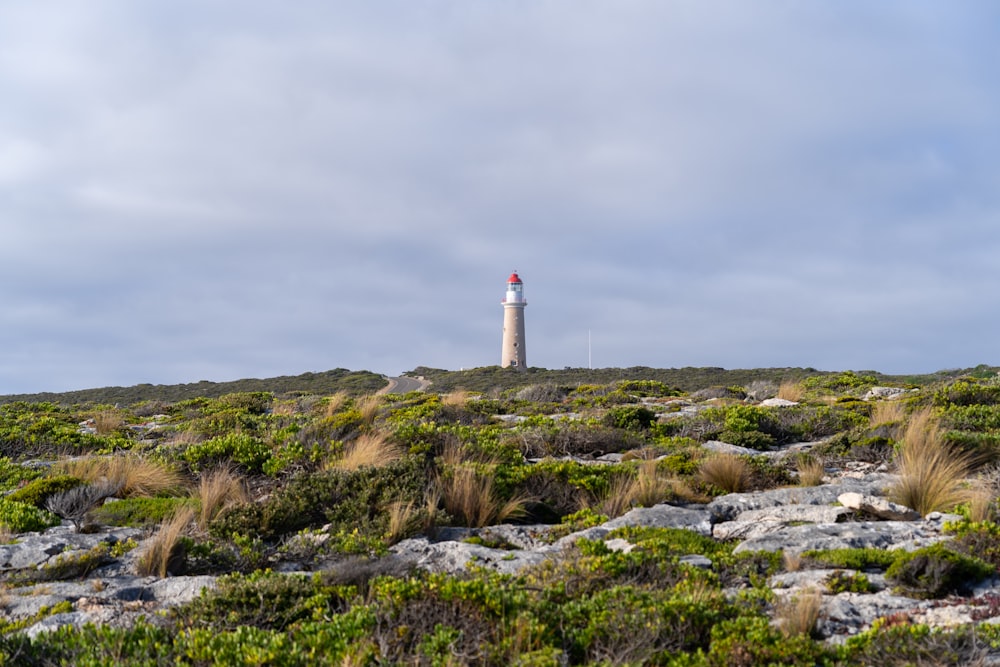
880, 507
907, 535
728, 507
777, 403
455, 557
760, 522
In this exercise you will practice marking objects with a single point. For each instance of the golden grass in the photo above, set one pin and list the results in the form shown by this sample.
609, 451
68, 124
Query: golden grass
456, 399
400, 518
368, 407
649, 487
617, 498
472, 498
791, 560
728, 472
811, 470
285, 408
135, 475
369, 449
161, 551
107, 422
218, 491
791, 391
335, 404
798, 615
887, 412
931, 472
982, 503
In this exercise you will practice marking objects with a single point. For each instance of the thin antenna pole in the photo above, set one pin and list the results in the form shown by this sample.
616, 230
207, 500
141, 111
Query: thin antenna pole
590, 363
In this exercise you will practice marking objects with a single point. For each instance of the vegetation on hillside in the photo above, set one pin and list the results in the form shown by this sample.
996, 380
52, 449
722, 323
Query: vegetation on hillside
240, 483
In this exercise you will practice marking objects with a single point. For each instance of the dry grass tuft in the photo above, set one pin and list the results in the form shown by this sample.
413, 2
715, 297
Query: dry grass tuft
401, 516
335, 404
285, 408
617, 498
218, 491
134, 475
456, 399
728, 472
792, 561
368, 407
798, 615
163, 550
887, 412
472, 498
811, 470
649, 487
107, 422
931, 472
370, 449
791, 391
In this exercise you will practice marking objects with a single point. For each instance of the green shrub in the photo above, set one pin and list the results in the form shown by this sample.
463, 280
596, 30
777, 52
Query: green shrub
13, 474
750, 640
841, 581
633, 417
648, 388
140, 512
349, 500
25, 518
37, 491
936, 571
978, 539
903, 644
236, 601
249, 452
967, 391
253, 402
853, 559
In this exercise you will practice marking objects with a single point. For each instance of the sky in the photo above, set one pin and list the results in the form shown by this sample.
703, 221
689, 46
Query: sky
209, 190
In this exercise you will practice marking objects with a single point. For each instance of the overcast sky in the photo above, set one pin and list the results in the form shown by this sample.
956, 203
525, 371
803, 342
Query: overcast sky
207, 190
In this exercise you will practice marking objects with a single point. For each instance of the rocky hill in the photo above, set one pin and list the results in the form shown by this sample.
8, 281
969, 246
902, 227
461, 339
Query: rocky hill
828, 519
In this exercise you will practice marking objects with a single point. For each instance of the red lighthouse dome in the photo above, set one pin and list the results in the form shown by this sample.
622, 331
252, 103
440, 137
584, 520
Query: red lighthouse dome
514, 278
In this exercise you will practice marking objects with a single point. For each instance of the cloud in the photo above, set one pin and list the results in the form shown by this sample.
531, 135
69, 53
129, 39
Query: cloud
192, 192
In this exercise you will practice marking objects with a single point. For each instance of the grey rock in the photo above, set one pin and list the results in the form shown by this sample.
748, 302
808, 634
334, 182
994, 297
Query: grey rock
664, 516
880, 507
729, 507
884, 392
455, 557
760, 522
850, 613
726, 448
777, 403
867, 534
697, 560
180, 590
49, 623
34, 550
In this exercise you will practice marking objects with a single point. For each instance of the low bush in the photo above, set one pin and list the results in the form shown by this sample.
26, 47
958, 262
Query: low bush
852, 558
24, 518
37, 491
77, 503
841, 581
632, 417
246, 451
237, 601
936, 571
139, 512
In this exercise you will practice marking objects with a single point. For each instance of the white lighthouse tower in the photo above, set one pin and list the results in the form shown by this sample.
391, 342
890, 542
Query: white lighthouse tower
512, 351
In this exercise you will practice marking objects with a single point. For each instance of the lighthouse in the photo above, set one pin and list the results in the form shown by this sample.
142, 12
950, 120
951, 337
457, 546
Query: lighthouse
512, 350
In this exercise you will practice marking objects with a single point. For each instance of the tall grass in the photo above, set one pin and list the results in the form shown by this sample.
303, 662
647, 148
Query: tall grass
473, 499
107, 422
887, 412
401, 515
810, 469
456, 398
335, 404
163, 549
136, 476
617, 498
790, 391
368, 449
368, 407
728, 472
798, 615
649, 487
931, 472
218, 491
